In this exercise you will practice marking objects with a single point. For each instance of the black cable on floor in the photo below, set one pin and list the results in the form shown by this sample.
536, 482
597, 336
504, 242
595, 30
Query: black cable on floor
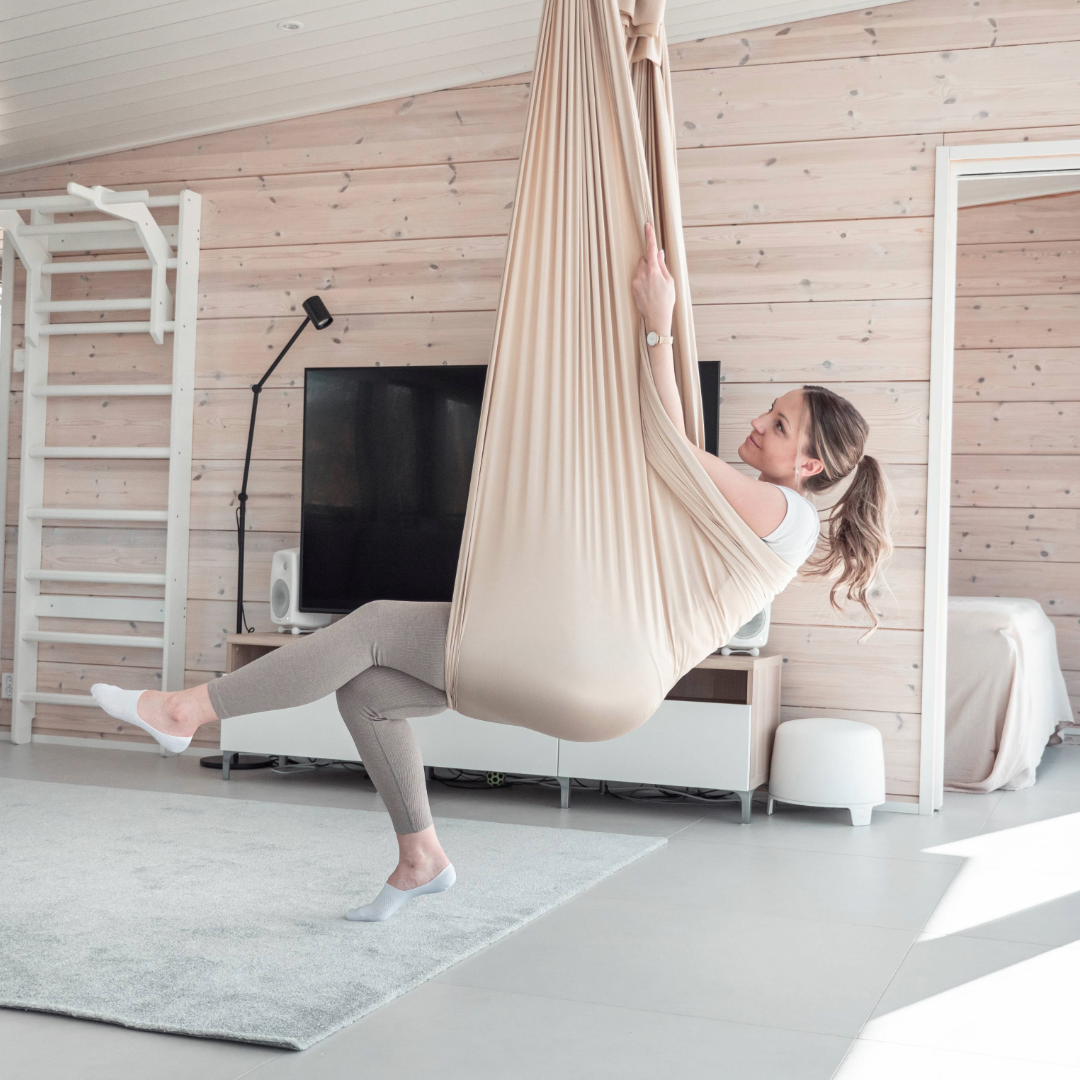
478, 780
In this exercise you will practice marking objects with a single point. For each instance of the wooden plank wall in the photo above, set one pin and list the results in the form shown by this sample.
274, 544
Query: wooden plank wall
1016, 417
806, 156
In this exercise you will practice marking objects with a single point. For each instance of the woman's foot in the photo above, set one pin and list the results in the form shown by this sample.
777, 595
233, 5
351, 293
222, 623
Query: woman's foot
408, 875
171, 717
391, 899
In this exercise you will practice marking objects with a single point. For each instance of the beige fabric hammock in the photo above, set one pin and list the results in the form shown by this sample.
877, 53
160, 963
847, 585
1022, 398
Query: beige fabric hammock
599, 562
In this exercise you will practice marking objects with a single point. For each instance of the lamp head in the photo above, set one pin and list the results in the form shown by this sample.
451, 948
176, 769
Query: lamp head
317, 313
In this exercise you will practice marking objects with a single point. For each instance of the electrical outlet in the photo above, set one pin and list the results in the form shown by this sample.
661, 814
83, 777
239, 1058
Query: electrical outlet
7, 689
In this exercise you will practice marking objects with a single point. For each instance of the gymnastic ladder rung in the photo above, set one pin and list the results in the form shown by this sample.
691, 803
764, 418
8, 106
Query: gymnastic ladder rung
141, 303
67, 329
115, 452
39, 697
105, 266
50, 250
102, 390
92, 513
122, 641
100, 577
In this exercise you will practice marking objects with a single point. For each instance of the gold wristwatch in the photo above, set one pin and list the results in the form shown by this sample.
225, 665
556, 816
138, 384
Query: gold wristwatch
653, 338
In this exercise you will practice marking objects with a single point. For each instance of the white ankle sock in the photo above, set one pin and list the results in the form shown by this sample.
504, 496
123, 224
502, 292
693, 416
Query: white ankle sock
390, 899
122, 704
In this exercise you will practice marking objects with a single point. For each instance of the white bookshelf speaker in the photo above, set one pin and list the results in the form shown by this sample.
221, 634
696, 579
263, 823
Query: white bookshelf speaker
751, 636
285, 595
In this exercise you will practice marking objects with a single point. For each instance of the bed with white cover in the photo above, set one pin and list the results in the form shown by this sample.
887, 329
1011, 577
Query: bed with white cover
1005, 693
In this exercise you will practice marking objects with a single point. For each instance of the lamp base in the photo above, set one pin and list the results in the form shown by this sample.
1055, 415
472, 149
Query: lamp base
239, 761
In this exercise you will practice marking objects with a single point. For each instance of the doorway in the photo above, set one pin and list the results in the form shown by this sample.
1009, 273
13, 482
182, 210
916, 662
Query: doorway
1005, 333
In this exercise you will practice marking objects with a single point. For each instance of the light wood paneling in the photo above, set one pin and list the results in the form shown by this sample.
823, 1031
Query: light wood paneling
907, 94
916, 26
887, 259
1057, 591
1016, 375
846, 341
1000, 480
825, 181
1014, 535
1016, 427
1018, 322
1030, 268
826, 668
1054, 218
473, 198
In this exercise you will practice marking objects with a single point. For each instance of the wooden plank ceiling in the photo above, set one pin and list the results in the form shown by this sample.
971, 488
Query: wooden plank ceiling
91, 77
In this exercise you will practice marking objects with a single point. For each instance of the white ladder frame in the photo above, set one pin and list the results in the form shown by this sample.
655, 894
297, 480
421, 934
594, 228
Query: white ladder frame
36, 243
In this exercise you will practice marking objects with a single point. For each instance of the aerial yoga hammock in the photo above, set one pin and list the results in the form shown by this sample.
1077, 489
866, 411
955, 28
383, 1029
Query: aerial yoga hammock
599, 562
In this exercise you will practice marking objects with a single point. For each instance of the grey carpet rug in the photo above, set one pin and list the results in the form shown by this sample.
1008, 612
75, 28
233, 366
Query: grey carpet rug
224, 917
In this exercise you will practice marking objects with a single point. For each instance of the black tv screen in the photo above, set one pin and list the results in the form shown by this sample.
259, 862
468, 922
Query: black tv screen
388, 457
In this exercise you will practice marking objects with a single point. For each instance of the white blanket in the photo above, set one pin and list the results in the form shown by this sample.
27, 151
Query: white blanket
1005, 694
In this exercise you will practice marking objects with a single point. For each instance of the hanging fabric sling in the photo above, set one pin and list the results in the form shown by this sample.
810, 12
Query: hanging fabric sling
599, 562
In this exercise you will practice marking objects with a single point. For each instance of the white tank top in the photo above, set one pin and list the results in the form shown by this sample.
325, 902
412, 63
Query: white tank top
796, 536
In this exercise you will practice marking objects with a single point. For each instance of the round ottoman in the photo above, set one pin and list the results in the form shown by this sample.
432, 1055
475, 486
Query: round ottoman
821, 761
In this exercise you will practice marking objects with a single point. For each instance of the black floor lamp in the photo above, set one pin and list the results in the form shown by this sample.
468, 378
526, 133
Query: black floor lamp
320, 318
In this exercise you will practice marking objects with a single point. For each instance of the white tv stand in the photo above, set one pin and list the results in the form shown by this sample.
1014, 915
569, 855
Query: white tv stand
715, 730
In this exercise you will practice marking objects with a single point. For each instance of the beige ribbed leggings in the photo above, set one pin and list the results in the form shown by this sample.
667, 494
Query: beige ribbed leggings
385, 662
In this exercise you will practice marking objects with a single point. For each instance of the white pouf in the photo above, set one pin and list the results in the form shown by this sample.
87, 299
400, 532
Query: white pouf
821, 761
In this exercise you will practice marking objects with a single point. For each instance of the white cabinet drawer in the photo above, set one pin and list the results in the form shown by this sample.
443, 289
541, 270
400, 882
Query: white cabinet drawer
684, 743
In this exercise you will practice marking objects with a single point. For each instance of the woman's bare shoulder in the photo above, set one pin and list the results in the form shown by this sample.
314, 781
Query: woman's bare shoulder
761, 504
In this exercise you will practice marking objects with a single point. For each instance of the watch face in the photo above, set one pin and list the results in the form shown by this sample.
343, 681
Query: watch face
652, 337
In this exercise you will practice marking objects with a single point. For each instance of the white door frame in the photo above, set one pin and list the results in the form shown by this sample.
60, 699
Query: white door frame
953, 163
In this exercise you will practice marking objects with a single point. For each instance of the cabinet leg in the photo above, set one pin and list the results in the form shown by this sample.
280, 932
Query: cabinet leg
769, 805
226, 761
564, 792
746, 798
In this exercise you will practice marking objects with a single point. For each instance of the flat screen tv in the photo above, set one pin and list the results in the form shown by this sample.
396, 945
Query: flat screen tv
388, 455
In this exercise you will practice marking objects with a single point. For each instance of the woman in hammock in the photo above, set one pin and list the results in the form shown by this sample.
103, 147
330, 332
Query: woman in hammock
385, 660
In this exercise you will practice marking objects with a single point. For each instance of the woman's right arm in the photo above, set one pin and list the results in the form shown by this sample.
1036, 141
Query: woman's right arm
760, 504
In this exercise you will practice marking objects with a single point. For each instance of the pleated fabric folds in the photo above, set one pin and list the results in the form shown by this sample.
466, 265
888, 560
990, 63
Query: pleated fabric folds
599, 562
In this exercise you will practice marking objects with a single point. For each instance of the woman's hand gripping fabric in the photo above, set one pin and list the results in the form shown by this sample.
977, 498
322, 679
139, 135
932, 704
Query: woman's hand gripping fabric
654, 287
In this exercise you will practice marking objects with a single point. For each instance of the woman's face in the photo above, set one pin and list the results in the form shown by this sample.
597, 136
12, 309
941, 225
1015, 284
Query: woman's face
771, 447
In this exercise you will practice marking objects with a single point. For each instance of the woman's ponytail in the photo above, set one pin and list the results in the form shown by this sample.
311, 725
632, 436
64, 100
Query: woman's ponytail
856, 533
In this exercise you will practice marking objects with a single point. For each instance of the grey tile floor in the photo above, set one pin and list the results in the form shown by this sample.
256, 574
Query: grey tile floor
793, 948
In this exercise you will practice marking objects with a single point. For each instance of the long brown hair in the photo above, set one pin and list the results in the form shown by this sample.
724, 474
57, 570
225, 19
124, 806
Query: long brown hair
856, 535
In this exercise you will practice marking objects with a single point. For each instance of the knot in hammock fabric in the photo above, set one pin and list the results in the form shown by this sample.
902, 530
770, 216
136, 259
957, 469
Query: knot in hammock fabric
599, 563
